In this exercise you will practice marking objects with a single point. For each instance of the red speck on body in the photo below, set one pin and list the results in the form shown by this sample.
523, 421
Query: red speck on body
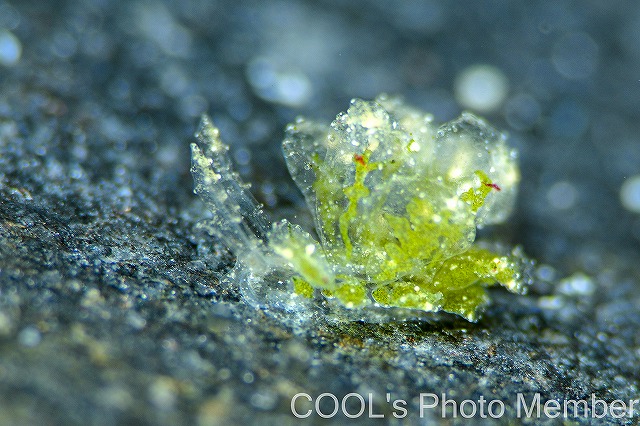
359, 159
494, 186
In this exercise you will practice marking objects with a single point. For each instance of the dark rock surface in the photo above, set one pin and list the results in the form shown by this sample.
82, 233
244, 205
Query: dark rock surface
110, 307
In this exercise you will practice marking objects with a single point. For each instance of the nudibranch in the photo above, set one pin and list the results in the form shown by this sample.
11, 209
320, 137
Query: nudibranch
396, 201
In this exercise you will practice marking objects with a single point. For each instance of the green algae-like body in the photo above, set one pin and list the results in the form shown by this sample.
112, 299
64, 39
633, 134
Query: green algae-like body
396, 202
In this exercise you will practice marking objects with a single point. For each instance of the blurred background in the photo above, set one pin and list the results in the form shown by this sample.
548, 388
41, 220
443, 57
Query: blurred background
563, 79
99, 100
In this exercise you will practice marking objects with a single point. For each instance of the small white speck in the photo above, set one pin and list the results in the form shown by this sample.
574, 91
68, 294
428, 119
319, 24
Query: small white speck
162, 393
481, 87
455, 172
630, 194
287, 253
282, 85
242, 156
551, 302
562, 195
29, 337
546, 273
578, 284
10, 48
125, 192
248, 377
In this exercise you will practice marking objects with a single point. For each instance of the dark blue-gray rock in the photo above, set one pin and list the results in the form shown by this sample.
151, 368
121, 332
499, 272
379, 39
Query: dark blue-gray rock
111, 311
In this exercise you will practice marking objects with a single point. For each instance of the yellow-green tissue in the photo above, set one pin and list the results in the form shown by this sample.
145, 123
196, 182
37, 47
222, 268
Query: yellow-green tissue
396, 201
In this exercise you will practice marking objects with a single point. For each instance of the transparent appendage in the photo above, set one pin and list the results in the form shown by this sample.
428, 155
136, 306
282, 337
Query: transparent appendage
396, 201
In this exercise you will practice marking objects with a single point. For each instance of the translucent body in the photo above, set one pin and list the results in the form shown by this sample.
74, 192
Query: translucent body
396, 202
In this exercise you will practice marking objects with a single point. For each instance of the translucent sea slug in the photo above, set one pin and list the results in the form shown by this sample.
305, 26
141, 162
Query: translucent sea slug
396, 202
